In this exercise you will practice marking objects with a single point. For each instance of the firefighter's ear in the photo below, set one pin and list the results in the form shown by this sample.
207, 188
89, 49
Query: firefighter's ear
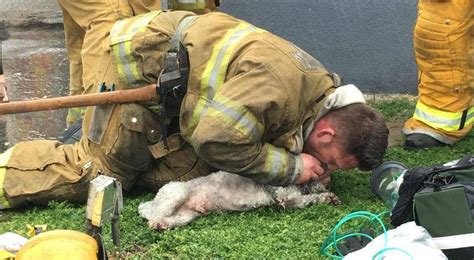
325, 132
326, 135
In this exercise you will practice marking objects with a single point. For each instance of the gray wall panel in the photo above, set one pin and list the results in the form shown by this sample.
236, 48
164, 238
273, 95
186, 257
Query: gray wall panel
367, 42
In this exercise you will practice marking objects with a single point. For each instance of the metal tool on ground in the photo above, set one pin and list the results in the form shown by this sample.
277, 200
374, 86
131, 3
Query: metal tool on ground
104, 204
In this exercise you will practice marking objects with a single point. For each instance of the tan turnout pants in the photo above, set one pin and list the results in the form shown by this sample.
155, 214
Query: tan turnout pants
77, 19
116, 138
444, 48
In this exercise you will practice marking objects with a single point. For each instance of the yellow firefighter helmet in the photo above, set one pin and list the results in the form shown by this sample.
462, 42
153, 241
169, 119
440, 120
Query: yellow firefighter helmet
59, 244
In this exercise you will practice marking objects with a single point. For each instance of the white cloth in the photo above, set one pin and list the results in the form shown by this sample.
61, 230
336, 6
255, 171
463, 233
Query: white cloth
341, 97
11, 242
412, 239
456, 241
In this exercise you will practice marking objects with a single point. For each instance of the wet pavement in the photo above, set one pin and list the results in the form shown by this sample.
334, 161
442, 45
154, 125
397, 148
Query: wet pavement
27, 12
35, 65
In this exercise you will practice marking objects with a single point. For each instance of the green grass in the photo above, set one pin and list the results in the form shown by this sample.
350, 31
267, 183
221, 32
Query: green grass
262, 233
399, 108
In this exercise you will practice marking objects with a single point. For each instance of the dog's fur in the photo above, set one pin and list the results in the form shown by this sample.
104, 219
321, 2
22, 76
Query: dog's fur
178, 203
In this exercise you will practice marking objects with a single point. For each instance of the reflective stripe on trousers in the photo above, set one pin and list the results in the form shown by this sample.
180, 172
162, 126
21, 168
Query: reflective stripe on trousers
444, 120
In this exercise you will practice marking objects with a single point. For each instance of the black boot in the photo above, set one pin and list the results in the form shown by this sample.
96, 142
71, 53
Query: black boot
73, 134
421, 141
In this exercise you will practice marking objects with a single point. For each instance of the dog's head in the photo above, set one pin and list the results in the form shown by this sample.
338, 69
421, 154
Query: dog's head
312, 187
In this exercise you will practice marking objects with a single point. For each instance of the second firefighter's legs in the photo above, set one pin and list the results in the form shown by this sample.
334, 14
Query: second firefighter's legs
443, 43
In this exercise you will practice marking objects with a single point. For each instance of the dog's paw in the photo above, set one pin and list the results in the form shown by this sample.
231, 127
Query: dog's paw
201, 208
157, 225
313, 187
331, 198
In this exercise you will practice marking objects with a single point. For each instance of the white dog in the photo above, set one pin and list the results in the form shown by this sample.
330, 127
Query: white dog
178, 203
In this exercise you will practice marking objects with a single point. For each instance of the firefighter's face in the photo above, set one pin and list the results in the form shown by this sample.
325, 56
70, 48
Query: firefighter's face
331, 156
321, 143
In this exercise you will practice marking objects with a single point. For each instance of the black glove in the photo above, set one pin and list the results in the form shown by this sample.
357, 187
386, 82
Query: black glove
354, 243
72, 134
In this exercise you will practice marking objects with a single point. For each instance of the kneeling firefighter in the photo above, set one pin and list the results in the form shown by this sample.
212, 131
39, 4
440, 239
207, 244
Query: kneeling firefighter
222, 125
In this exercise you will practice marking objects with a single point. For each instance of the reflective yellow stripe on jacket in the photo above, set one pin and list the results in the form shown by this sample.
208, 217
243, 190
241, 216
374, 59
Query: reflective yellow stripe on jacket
229, 111
213, 77
275, 165
120, 41
4, 158
444, 120
187, 4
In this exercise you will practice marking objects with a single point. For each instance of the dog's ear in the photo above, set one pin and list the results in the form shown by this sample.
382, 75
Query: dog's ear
311, 187
281, 204
304, 188
315, 187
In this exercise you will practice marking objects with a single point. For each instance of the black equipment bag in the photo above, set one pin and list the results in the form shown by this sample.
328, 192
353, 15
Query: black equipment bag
441, 199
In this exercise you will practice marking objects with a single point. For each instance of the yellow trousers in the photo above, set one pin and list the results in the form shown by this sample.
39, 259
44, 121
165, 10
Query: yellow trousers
83, 51
443, 43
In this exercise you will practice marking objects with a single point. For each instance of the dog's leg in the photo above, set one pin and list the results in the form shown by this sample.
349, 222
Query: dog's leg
315, 187
321, 198
181, 217
168, 199
285, 196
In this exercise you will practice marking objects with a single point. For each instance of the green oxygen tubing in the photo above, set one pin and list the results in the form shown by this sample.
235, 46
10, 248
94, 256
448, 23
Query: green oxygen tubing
332, 241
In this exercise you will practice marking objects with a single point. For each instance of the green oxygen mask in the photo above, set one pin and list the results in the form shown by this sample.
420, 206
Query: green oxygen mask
386, 180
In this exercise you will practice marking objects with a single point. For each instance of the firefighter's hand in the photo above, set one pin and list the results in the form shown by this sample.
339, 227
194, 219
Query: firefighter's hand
312, 170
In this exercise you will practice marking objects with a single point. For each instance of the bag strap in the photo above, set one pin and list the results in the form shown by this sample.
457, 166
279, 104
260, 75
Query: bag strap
174, 76
172, 83
461, 164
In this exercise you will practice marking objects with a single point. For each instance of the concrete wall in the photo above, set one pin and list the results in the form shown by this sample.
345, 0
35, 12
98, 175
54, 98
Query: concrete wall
367, 42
